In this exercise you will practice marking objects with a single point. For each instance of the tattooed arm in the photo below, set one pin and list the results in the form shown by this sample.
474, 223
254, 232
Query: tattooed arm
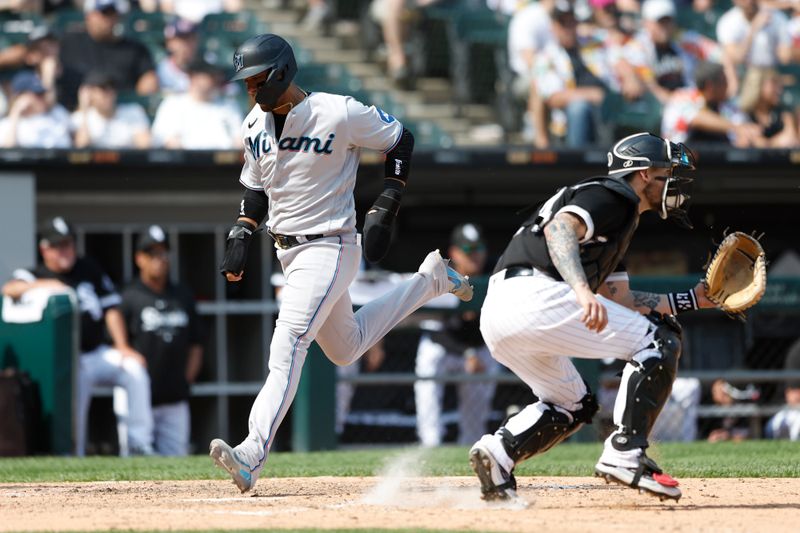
643, 302
562, 235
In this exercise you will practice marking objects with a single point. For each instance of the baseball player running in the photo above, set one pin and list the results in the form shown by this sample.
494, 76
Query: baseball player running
559, 291
301, 156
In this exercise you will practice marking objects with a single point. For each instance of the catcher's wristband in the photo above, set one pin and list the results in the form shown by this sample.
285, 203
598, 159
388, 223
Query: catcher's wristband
680, 302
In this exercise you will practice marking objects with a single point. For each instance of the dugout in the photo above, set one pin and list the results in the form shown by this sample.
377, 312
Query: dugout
109, 196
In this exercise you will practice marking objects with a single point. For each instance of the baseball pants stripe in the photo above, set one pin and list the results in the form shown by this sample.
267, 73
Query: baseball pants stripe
533, 326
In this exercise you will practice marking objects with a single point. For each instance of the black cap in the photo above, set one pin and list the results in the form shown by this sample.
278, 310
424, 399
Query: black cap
152, 236
468, 236
55, 231
98, 78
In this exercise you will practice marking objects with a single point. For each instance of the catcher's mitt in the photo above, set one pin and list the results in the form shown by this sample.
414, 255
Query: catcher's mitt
736, 277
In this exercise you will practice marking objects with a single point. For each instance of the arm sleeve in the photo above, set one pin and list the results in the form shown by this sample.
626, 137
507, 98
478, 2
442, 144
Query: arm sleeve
371, 127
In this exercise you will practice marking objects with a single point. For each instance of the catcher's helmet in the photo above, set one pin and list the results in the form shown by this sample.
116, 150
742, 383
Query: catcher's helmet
266, 53
644, 150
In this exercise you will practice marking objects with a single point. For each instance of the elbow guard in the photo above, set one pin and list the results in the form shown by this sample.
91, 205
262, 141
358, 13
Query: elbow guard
398, 159
255, 205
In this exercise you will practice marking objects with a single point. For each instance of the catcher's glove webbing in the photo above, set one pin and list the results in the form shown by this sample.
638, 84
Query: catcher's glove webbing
736, 278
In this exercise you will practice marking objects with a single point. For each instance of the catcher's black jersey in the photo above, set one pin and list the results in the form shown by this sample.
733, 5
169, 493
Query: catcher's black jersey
162, 327
95, 291
608, 207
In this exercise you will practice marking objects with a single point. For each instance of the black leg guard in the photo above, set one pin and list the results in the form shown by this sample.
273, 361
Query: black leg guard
647, 388
552, 427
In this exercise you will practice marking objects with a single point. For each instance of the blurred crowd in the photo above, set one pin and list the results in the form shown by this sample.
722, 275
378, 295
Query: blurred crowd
726, 86
90, 79
109, 76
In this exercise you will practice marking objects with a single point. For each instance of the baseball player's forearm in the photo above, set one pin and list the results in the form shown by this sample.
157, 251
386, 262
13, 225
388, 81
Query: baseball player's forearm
17, 287
115, 324
641, 301
562, 235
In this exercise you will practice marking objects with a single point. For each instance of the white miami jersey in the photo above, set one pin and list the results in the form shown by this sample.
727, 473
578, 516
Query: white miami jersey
309, 174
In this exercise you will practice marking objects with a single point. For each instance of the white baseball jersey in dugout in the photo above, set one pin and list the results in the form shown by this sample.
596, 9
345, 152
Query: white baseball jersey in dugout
310, 172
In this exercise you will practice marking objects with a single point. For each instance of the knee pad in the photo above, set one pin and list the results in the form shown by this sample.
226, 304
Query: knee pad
646, 384
552, 427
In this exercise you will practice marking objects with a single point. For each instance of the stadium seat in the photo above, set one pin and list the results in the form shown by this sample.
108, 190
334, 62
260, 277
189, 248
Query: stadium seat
427, 134
69, 21
145, 26
473, 36
150, 102
626, 117
244, 24
334, 78
791, 89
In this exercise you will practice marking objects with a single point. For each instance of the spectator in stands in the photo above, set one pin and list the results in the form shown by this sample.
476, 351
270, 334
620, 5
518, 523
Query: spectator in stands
572, 76
793, 27
609, 26
39, 54
181, 41
192, 10
98, 302
100, 123
199, 119
761, 100
733, 428
162, 325
663, 58
754, 35
393, 16
32, 121
316, 15
529, 31
703, 114
785, 424
454, 345
127, 61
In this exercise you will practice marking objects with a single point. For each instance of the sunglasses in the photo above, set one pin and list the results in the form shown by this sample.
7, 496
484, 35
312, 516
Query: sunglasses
472, 248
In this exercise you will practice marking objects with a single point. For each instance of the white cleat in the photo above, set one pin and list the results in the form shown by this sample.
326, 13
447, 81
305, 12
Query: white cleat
226, 458
496, 483
445, 278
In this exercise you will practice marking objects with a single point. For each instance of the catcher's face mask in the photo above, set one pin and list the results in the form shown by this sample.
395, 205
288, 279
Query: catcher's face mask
678, 187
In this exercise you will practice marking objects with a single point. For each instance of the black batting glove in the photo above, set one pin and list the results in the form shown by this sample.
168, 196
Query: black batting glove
378, 224
236, 248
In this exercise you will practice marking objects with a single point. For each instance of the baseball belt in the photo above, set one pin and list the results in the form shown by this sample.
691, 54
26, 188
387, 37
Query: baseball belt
285, 242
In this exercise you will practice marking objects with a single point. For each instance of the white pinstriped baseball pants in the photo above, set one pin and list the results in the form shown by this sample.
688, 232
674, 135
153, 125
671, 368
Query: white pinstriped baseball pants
532, 325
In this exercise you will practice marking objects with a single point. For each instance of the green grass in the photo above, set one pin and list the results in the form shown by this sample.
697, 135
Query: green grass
700, 459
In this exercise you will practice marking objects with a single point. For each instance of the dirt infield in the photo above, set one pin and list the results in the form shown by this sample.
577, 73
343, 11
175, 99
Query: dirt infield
554, 504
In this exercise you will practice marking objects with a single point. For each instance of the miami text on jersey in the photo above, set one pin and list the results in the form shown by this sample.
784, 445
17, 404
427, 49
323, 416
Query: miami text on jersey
260, 144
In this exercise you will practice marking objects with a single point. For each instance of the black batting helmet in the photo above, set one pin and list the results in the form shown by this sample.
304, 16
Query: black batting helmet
645, 150
266, 53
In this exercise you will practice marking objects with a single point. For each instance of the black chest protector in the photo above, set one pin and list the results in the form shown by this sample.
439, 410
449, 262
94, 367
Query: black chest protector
600, 255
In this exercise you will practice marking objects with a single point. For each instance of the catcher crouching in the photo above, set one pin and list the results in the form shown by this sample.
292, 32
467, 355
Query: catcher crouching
560, 290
